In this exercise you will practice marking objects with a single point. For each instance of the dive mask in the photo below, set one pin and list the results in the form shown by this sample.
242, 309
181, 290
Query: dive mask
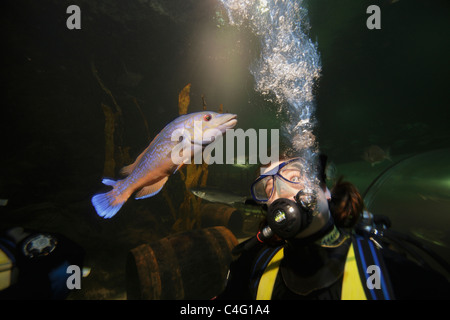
289, 174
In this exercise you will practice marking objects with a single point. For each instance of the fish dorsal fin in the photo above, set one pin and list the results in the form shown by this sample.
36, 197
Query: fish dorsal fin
127, 170
151, 190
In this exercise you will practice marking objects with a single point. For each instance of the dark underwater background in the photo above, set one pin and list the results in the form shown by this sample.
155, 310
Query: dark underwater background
385, 87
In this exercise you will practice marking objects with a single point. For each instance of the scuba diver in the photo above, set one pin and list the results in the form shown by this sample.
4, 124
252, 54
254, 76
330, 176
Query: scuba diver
317, 244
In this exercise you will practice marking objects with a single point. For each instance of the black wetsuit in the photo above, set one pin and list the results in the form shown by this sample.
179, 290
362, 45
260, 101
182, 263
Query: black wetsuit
312, 272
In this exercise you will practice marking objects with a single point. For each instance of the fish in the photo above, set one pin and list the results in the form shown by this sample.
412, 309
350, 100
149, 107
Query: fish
434, 236
152, 168
212, 194
440, 198
374, 155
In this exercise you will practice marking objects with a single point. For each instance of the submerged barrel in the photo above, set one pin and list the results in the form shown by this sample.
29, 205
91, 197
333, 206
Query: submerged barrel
187, 265
217, 214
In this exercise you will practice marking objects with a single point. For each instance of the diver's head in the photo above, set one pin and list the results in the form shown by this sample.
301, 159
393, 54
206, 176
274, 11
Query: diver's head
285, 188
346, 204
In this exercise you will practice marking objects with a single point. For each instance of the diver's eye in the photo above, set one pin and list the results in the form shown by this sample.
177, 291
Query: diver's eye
292, 175
207, 117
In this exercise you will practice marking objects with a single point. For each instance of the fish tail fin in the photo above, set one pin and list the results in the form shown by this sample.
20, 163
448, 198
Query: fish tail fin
107, 204
104, 204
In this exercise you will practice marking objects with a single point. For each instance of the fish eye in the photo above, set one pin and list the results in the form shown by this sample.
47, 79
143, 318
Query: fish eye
207, 117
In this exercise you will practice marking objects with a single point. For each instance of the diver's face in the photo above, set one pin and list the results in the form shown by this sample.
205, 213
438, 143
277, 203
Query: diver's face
287, 187
284, 180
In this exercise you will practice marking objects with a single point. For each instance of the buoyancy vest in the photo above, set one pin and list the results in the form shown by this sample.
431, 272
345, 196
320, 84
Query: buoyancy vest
364, 277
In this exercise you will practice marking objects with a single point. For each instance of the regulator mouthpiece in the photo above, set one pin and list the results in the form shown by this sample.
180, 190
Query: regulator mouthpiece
307, 199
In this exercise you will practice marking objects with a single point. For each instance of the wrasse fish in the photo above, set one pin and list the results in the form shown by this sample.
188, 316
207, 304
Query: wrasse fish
374, 155
154, 165
212, 194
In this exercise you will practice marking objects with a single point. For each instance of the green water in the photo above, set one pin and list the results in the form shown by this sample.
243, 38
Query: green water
383, 87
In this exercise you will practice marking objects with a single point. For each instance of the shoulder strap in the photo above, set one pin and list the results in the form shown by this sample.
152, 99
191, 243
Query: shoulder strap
267, 281
263, 258
371, 269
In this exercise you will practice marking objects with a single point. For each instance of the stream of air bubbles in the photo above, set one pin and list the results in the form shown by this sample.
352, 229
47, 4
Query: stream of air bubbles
288, 65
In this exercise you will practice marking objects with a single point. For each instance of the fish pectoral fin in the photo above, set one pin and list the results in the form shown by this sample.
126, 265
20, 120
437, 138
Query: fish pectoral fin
178, 168
151, 190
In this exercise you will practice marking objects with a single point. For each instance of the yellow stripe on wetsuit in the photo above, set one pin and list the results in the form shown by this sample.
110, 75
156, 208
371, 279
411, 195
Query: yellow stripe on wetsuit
352, 288
267, 281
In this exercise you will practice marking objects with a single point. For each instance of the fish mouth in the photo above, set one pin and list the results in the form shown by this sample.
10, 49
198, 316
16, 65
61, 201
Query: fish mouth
229, 121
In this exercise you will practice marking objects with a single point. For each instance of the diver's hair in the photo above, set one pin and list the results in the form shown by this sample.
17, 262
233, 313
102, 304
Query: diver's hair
346, 204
